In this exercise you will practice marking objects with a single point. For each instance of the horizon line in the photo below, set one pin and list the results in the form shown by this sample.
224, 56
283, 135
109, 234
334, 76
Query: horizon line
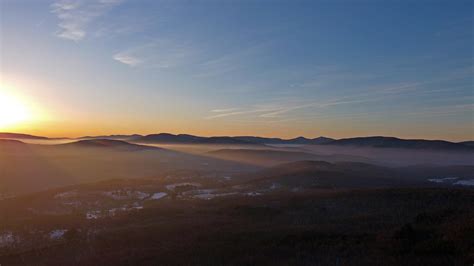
232, 136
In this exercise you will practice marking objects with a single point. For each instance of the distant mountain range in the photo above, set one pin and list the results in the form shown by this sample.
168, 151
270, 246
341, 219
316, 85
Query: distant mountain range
190, 139
391, 142
377, 141
4, 135
278, 141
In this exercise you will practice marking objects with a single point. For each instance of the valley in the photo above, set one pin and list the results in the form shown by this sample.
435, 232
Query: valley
80, 202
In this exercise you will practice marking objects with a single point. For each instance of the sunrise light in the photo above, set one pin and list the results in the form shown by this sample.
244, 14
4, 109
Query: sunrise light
13, 110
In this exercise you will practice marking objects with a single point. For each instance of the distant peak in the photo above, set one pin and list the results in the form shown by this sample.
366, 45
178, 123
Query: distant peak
300, 138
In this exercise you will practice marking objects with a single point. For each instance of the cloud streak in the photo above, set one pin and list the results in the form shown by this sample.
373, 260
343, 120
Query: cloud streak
76, 15
230, 62
127, 59
157, 53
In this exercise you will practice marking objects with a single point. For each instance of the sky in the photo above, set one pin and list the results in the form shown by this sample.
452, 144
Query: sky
241, 67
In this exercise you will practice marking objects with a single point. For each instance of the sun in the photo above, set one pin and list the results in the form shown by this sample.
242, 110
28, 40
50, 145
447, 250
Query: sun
12, 111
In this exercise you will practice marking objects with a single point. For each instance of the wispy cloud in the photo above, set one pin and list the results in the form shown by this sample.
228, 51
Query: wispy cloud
424, 85
284, 110
278, 109
75, 16
226, 110
237, 112
157, 53
281, 112
127, 59
230, 62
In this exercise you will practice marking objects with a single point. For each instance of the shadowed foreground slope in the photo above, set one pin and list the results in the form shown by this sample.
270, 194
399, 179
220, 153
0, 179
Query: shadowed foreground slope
360, 227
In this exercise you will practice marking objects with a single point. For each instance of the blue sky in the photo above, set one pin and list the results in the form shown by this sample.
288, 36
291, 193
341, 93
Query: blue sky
273, 68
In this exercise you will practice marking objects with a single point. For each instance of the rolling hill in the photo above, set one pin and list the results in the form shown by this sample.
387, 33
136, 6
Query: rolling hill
116, 137
273, 157
5, 135
279, 141
33, 167
391, 142
321, 174
109, 143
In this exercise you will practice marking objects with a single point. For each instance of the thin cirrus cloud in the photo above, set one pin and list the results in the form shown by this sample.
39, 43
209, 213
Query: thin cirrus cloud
157, 53
259, 114
127, 59
239, 111
225, 110
268, 110
75, 16
283, 110
230, 62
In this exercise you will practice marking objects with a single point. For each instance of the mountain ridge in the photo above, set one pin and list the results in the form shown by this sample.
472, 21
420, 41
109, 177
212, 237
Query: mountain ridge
393, 142
108, 143
7, 135
369, 141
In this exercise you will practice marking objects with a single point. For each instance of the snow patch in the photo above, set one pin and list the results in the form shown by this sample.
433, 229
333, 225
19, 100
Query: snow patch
207, 194
443, 179
126, 194
211, 196
469, 182
453, 181
7, 239
125, 208
172, 187
158, 195
253, 194
66, 195
92, 215
73, 203
274, 186
57, 234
